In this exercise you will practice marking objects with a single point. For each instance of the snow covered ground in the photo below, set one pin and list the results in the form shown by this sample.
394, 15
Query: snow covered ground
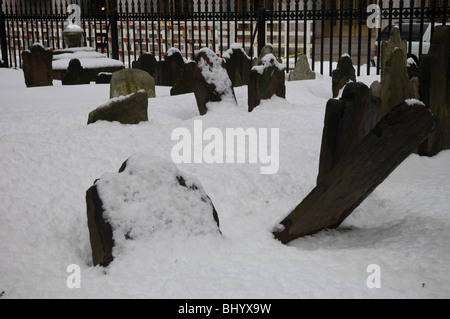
50, 157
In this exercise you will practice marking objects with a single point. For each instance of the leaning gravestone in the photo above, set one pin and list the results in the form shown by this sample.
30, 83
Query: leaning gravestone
75, 74
266, 79
347, 121
210, 80
434, 69
129, 81
238, 65
146, 62
37, 66
129, 109
354, 178
149, 197
343, 73
302, 70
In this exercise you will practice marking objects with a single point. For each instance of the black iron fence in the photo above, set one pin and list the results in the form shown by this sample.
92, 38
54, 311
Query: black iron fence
322, 29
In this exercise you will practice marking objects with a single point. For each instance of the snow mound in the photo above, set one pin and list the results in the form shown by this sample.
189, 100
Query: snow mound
150, 195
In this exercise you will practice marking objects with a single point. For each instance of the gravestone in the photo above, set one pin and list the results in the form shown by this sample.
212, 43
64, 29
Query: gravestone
75, 74
129, 109
103, 78
267, 49
412, 68
210, 80
168, 70
343, 73
146, 62
387, 47
129, 81
395, 83
354, 178
183, 84
237, 64
347, 121
148, 197
37, 66
266, 79
434, 70
302, 70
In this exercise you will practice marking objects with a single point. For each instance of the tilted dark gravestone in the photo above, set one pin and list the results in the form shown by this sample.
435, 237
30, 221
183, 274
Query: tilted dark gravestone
146, 62
266, 79
37, 66
75, 74
129, 109
238, 65
168, 70
210, 80
343, 73
346, 122
435, 89
302, 70
355, 177
183, 84
137, 203
129, 81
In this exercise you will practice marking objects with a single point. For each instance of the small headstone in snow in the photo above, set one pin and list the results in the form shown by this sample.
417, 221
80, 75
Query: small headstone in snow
75, 74
210, 80
343, 73
302, 70
238, 65
146, 62
266, 79
168, 70
434, 77
37, 66
129, 81
129, 109
103, 78
267, 49
148, 197
183, 84
412, 68
387, 47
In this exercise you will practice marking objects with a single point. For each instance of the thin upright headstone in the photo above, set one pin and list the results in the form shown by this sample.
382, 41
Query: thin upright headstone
37, 66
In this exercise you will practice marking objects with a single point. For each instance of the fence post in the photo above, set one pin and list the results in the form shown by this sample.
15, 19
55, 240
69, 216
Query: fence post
261, 26
4, 44
113, 18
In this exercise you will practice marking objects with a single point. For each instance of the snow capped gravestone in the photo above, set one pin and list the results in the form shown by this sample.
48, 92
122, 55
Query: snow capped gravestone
128, 109
210, 80
343, 73
238, 65
346, 122
37, 66
149, 197
103, 78
302, 70
434, 69
146, 62
129, 81
75, 74
169, 69
266, 80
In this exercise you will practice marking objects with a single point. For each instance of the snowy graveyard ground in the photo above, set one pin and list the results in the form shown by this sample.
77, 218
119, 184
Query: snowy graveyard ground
50, 157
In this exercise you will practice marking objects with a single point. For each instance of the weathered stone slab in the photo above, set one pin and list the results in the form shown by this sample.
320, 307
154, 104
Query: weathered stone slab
183, 84
354, 178
75, 74
302, 70
238, 65
387, 47
129, 81
434, 69
343, 73
37, 66
266, 79
146, 62
149, 196
168, 70
129, 109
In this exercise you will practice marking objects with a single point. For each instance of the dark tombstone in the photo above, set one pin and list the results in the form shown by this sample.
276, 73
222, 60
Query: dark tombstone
434, 70
168, 70
412, 68
347, 121
343, 73
103, 78
129, 81
75, 74
146, 62
183, 84
238, 65
387, 47
354, 178
131, 109
112, 225
210, 80
37, 66
266, 79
